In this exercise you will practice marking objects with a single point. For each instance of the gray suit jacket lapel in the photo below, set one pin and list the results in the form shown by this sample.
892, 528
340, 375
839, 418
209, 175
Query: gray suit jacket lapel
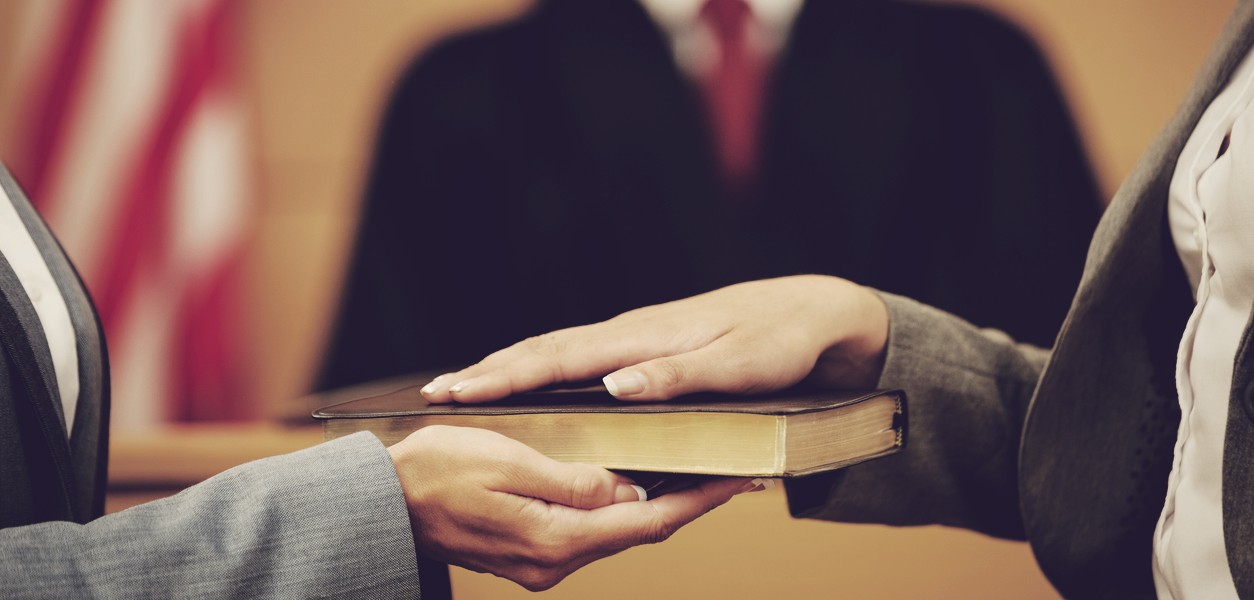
1098, 442
1238, 474
21, 332
89, 444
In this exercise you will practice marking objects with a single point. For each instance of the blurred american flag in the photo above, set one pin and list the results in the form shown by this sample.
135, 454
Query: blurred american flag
132, 143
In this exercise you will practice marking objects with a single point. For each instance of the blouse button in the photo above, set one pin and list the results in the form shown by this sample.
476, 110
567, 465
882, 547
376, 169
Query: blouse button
36, 294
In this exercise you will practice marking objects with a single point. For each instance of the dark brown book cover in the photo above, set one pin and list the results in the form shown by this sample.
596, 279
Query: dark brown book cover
594, 399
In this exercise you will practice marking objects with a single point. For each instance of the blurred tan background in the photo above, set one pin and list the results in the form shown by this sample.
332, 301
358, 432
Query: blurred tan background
317, 72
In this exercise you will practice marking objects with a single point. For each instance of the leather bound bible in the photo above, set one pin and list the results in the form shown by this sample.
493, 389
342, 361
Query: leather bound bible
778, 435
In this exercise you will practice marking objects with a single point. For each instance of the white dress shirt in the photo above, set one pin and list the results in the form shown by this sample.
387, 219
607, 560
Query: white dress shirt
1211, 215
19, 250
694, 45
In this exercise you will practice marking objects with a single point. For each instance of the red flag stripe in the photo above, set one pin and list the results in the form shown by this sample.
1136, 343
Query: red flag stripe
205, 320
140, 230
50, 108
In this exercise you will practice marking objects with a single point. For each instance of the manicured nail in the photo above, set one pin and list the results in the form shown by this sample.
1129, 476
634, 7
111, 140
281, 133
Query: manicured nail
758, 485
624, 383
640, 492
627, 492
434, 386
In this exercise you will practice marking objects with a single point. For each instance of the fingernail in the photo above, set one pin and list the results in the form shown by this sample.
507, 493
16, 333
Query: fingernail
434, 386
757, 485
640, 493
624, 383
459, 387
630, 493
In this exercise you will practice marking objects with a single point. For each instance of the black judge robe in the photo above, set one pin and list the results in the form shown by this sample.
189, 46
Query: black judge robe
558, 169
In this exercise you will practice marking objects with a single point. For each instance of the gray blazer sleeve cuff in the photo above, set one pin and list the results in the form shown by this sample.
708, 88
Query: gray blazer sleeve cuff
329, 521
968, 390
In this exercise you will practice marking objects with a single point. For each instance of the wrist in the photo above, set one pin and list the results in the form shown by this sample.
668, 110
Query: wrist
405, 460
854, 334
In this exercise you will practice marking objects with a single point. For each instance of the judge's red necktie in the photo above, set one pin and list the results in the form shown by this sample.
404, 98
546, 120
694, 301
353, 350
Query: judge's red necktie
733, 89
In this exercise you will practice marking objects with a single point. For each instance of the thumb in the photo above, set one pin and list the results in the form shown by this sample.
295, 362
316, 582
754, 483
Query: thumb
625, 525
575, 485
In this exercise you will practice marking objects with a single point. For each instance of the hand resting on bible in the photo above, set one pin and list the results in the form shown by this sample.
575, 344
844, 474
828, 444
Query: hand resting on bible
747, 338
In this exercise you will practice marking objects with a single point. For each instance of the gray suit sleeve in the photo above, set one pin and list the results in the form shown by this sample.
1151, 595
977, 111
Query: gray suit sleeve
329, 521
968, 390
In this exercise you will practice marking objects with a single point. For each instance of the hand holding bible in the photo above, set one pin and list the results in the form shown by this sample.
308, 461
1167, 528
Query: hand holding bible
485, 502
